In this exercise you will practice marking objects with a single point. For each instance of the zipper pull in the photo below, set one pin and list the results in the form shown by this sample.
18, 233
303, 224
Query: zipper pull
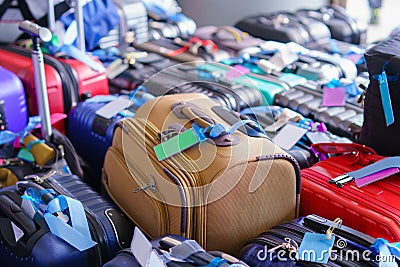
40, 179
151, 185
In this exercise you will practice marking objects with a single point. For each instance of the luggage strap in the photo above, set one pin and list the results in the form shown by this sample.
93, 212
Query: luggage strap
383, 80
74, 228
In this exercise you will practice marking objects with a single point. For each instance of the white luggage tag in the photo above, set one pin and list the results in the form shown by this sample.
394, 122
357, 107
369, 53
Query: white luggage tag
289, 135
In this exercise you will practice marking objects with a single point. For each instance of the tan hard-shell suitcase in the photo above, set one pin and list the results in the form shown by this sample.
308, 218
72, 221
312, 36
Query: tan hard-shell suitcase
221, 192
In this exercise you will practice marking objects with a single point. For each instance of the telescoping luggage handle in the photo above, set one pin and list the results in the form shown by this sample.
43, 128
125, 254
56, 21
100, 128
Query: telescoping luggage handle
38, 34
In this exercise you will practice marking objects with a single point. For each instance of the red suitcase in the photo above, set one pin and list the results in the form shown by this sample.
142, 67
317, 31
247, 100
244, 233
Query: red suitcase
373, 209
67, 79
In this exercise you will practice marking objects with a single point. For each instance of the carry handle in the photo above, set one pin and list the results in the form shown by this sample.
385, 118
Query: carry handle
186, 110
236, 33
342, 148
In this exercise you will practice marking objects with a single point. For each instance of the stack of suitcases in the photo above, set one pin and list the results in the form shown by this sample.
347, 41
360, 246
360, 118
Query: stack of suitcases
131, 137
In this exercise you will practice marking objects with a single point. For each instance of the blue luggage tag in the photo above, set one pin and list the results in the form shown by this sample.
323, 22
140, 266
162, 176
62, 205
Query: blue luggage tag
317, 247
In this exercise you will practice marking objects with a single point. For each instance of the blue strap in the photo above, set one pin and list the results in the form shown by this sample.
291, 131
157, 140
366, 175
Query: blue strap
77, 234
101, 99
8, 136
74, 52
383, 80
391, 162
385, 249
34, 142
334, 48
216, 130
216, 262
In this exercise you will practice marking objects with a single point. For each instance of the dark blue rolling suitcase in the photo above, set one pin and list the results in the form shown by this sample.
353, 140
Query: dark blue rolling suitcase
91, 134
38, 246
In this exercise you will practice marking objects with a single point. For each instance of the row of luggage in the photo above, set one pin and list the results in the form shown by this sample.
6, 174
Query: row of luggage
192, 165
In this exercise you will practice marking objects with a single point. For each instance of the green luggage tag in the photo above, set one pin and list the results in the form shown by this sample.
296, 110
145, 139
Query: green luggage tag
25, 155
179, 143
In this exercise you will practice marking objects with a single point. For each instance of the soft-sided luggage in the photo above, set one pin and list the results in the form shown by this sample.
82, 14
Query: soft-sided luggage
284, 27
219, 193
33, 243
91, 134
343, 27
292, 233
228, 38
13, 104
372, 209
67, 80
382, 119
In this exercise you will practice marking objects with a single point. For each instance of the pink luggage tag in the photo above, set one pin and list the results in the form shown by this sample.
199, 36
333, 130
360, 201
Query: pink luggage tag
333, 97
236, 71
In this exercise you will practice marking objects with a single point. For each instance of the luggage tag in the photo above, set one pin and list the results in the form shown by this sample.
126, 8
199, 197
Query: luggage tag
235, 72
317, 247
385, 94
180, 142
333, 97
289, 135
114, 107
369, 174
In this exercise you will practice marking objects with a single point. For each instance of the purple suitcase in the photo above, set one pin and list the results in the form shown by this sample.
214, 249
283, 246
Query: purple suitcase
13, 95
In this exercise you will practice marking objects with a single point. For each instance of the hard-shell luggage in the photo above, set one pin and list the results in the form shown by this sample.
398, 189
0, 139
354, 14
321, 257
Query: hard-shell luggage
181, 79
33, 243
232, 172
284, 27
137, 73
346, 50
67, 80
327, 190
382, 120
268, 85
14, 111
343, 120
291, 233
91, 134
343, 27
133, 25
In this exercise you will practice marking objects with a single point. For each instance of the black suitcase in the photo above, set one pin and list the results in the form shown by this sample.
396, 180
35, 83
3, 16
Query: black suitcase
285, 27
136, 74
343, 27
185, 79
108, 227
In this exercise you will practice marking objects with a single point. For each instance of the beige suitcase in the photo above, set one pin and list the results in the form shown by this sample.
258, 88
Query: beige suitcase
221, 192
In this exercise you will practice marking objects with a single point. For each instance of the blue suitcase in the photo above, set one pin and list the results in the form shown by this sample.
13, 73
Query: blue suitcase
92, 134
14, 115
109, 228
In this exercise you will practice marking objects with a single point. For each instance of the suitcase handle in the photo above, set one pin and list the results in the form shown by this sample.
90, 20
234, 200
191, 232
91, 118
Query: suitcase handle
236, 33
341, 148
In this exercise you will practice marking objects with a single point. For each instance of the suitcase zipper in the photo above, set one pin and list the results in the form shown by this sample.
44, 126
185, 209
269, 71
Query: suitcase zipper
160, 204
69, 80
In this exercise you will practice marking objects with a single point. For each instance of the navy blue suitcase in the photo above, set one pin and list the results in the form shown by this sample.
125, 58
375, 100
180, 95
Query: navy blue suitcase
91, 134
109, 228
126, 258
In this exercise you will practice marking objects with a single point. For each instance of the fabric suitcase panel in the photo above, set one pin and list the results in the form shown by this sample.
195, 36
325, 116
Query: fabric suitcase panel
372, 209
13, 95
157, 218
